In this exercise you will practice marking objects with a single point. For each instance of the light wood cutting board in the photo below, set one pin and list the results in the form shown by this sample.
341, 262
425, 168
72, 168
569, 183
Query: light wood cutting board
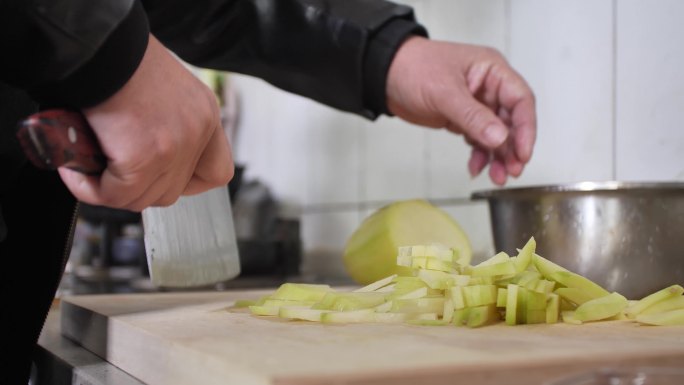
191, 338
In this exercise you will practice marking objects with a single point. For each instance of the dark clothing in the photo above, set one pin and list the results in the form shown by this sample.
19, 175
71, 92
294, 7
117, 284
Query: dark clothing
77, 53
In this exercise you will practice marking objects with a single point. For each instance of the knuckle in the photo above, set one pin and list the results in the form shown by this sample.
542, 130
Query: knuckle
221, 176
493, 53
472, 117
165, 150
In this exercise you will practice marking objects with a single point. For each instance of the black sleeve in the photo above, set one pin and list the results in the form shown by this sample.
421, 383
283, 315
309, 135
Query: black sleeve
71, 52
334, 51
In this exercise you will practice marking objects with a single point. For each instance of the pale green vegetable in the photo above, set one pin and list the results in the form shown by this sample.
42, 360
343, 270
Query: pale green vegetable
570, 279
546, 267
244, 303
418, 293
285, 302
420, 305
669, 318
502, 268
570, 318
531, 307
601, 308
436, 279
457, 298
528, 279
303, 313
353, 316
264, 310
544, 286
552, 309
501, 296
524, 257
378, 284
482, 315
495, 260
661, 295
479, 295
301, 292
666, 305
512, 304
438, 291
448, 312
371, 251
460, 316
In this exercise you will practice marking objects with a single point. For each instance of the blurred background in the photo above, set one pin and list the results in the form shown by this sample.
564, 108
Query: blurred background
606, 74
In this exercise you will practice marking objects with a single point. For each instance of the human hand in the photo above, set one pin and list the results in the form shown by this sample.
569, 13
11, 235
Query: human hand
468, 90
162, 136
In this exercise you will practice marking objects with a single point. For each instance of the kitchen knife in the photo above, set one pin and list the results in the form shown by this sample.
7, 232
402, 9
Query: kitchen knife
190, 243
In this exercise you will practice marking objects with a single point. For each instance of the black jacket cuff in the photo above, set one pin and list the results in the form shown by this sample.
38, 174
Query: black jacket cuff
379, 55
106, 72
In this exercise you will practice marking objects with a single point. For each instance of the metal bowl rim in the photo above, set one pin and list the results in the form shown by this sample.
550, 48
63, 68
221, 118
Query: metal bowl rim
579, 187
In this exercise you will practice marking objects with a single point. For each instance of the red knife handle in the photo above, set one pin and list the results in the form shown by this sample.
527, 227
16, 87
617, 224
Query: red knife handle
61, 138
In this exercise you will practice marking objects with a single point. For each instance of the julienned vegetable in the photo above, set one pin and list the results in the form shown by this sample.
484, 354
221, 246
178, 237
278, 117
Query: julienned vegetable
442, 289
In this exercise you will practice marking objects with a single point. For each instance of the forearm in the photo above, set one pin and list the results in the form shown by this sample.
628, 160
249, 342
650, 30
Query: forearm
336, 52
74, 53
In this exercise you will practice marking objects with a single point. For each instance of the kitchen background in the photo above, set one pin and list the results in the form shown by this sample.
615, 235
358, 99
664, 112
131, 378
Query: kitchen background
610, 97
608, 79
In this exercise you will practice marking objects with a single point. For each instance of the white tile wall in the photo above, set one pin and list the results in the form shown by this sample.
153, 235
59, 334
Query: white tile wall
473, 22
564, 50
607, 78
333, 156
393, 160
650, 90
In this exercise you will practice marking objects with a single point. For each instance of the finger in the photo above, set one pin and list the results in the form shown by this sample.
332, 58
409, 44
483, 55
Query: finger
497, 172
474, 119
197, 186
84, 187
478, 161
486, 88
161, 192
506, 153
91, 189
215, 167
524, 124
517, 98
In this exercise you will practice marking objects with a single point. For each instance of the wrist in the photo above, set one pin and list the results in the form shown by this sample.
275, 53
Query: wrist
380, 54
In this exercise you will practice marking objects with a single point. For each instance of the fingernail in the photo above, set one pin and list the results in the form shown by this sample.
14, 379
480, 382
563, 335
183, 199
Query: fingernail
494, 135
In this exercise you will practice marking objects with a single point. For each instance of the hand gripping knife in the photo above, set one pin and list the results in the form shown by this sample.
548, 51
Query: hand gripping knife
190, 243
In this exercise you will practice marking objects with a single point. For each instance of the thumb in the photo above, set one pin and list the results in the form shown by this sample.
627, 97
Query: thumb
474, 120
83, 187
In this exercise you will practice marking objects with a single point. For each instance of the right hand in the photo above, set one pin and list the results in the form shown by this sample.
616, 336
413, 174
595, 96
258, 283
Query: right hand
162, 136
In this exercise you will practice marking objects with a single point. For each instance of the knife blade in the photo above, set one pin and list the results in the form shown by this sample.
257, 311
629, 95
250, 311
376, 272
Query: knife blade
190, 243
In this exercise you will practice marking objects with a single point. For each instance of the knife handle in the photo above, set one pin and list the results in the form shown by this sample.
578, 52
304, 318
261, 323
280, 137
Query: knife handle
61, 138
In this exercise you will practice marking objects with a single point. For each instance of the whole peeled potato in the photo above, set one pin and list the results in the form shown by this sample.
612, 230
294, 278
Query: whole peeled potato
371, 252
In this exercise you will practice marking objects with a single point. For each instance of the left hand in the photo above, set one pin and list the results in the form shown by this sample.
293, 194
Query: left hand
469, 90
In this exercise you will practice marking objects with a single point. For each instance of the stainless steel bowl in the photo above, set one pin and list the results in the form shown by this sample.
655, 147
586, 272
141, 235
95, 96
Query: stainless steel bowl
628, 237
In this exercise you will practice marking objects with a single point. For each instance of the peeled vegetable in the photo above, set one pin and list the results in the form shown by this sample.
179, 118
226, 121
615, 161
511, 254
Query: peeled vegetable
371, 252
442, 290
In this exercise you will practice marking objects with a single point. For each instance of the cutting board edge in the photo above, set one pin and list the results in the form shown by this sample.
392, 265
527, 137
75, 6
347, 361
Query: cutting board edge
509, 373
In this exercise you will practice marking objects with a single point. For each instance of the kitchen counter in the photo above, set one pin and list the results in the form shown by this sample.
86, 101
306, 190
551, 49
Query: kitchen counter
62, 362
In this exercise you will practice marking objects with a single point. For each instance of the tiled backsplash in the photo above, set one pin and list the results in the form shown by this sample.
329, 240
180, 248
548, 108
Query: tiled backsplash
610, 92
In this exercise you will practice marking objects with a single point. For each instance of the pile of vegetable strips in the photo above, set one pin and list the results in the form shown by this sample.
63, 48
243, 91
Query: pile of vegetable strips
524, 289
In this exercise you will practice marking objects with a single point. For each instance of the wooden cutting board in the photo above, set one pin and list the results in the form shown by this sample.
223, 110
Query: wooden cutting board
192, 338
